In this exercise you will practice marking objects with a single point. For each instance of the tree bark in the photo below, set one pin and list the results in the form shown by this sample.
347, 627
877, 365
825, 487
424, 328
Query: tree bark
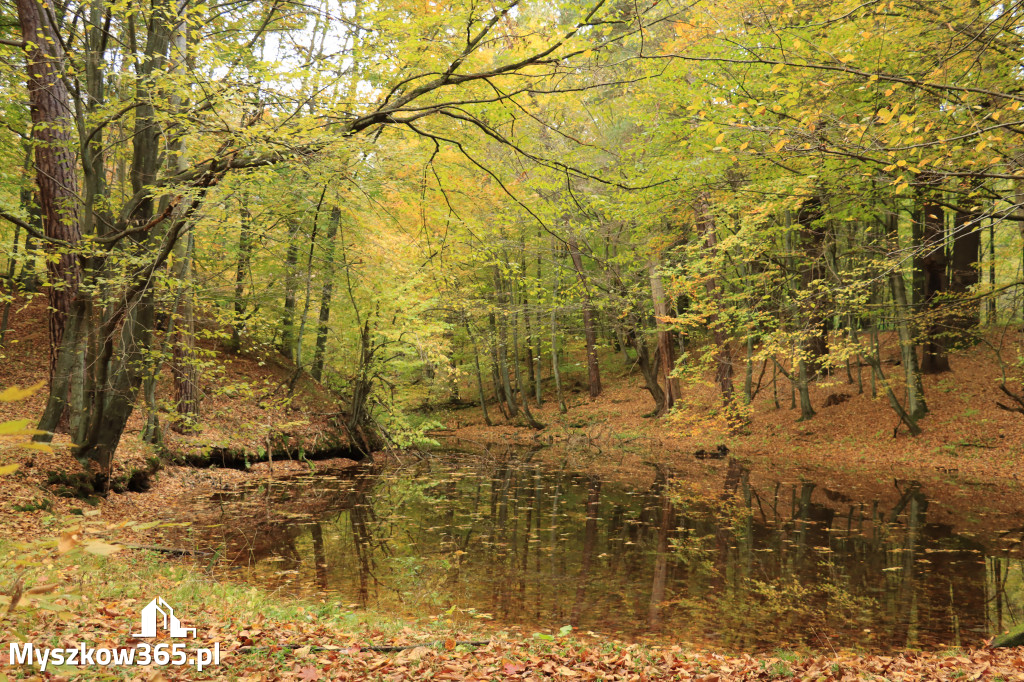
589, 329
812, 233
965, 273
934, 282
291, 263
666, 349
56, 174
246, 243
184, 368
326, 292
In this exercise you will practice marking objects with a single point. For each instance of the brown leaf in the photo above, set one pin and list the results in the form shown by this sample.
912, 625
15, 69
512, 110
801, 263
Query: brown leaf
68, 541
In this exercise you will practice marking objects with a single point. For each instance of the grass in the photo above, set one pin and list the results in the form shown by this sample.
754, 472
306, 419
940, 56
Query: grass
132, 578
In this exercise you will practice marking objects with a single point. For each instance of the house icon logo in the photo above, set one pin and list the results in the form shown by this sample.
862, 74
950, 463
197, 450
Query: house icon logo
159, 610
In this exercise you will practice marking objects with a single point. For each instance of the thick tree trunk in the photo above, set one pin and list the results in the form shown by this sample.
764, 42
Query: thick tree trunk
120, 384
916, 406
812, 235
965, 273
649, 370
55, 171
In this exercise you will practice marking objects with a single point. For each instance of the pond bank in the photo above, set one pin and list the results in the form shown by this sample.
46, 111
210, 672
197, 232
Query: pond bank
265, 636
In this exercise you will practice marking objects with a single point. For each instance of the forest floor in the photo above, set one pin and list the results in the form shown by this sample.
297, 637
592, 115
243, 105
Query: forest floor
969, 455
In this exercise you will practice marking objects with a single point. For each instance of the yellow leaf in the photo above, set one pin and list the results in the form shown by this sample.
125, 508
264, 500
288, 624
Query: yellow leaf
38, 447
847, 59
778, 67
8, 469
780, 145
13, 393
718, 140
981, 145
17, 427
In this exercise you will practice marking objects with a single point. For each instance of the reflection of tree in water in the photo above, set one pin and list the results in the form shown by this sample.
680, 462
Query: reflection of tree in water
755, 565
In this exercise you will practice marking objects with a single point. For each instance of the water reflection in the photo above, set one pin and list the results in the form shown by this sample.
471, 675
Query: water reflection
533, 544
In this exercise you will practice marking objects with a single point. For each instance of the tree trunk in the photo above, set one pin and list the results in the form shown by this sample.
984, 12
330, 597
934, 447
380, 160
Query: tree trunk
991, 307
933, 279
916, 405
291, 263
500, 332
716, 323
666, 349
300, 336
812, 271
56, 174
184, 368
589, 329
806, 409
965, 273
524, 398
555, 372
479, 375
326, 291
649, 370
246, 243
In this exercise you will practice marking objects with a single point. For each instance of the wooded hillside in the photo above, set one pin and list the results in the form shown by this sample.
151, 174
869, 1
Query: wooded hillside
428, 204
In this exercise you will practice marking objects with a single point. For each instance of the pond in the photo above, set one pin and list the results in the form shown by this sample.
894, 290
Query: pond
528, 542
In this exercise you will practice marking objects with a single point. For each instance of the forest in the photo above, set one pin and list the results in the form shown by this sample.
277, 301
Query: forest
584, 338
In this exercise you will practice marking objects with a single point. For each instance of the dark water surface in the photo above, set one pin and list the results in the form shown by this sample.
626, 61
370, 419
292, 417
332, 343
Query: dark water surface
542, 546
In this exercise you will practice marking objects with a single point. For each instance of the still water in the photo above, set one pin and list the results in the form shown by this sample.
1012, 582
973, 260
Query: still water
527, 542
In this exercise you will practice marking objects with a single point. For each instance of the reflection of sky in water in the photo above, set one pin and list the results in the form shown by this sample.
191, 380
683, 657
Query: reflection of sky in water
539, 547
